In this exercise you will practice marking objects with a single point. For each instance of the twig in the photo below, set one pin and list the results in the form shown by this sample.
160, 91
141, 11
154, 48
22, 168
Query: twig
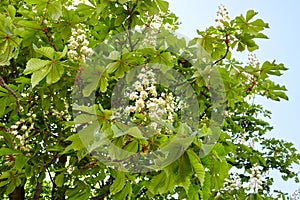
37, 191
227, 50
130, 23
2, 84
88, 165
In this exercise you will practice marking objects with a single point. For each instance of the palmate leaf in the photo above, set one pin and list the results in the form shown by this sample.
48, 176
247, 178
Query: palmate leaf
55, 73
45, 51
53, 69
119, 182
9, 42
197, 166
161, 183
125, 193
35, 64
39, 75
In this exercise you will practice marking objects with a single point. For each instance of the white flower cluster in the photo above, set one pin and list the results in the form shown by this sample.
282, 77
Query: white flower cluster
21, 130
232, 183
255, 181
295, 195
153, 26
252, 60
222, 15
158, 108
63, 114
78, 44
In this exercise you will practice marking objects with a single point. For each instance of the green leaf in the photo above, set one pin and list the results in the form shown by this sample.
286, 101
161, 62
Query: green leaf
39, 75
10, 187
28, 170
184, 172
81, 191
103, 84
55, 10
163, 5
197, 166
55, 73
35, 64
60, 55
250, 14
45, 51
59, 179
6, 151
3, 183
132, 146
11, 11
114, 55
125, 193
5, 175
84, 118
76, 143
20, 162
118, 183
135, 132
161, 183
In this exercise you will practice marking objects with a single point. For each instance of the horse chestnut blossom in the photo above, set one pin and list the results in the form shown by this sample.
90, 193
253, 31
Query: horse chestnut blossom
222, 15
78, 44
157, 108
255, 181
234, 183
21, 130
252, 60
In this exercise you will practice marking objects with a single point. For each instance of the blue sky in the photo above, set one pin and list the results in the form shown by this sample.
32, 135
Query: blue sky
283, 45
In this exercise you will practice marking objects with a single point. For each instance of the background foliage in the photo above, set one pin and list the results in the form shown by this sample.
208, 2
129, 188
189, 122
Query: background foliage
42, 156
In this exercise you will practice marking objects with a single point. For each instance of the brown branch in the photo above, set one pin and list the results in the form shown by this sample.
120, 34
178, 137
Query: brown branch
227, 50
89, 165
37, 191
39, 184
130, 23
2, 84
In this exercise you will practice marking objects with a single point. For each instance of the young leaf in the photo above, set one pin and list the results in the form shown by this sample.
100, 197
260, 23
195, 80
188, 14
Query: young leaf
119, 182
197, 166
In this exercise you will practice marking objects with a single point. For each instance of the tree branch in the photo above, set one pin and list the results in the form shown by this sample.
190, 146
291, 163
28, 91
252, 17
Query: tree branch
37, 191
2, 84
227, 50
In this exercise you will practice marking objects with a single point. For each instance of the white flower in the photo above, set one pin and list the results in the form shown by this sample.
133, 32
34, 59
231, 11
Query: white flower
133, 96
152, 90
153, 125
130, 109
138, 86
150, 74
85, 43
14, 127
19, 137
80, 37
140, 104
73, 44
74, 32
255, 181
14, 132
24, 94
89, 51
222, 14
84, 49
143, 95
152, 106
24, 127
142, 76
145, 82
